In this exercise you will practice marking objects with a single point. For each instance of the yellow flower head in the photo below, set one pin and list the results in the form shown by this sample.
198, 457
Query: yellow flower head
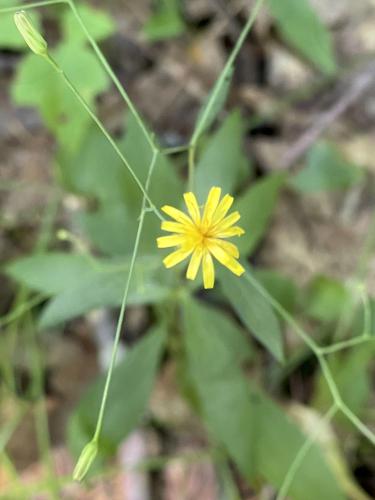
202, 235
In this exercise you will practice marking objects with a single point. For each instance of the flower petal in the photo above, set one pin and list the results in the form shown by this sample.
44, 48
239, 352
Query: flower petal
176, 257
228, 233
192, 206
173, 227
171, 241
210, 207
225, 223
194, 263
177, 215
222, 208
227, 260
208, 270
227, 246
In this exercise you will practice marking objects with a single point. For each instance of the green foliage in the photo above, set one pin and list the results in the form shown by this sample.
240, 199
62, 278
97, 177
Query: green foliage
126, 405
222, 163
256, 206
166, 21
98, 23
326, 170
280, 287
301, 27
254, 311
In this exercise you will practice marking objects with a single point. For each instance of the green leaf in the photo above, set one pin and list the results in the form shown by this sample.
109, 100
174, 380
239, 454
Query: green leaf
38, 84
53, 272
98, 23
256, 207
301, 27
10, 37
105, 289
129, 392
254, 310
222, 162
280, 287
166, 22
222, 390
326, 170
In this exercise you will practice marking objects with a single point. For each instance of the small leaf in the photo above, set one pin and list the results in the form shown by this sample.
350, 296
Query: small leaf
254, 311
301, 27
222, 389
166, 22
98, 23
326, 170
128, 396
256, 207
222, 162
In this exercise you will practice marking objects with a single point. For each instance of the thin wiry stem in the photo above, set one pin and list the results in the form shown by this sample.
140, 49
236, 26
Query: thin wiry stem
28, 6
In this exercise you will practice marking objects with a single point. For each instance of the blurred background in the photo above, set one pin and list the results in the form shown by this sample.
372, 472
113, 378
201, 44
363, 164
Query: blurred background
298, 124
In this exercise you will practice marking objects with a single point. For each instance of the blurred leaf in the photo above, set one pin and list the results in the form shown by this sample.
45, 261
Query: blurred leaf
301, 27
222, 162
326, 170
213, 104
166, 22
98, 23
326, 299
256, 206
53, 272
351, 372
221, 388
254, 311
129, 392
280, 287
10, 37
38, 84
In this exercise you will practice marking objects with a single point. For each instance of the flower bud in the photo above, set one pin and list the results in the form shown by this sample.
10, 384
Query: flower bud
31, 36
85, 460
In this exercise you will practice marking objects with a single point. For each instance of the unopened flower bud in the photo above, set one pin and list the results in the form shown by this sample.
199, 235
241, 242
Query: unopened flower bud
31, 36
85, 460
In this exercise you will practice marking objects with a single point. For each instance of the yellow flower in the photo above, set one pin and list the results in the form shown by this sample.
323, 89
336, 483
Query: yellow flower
202, 235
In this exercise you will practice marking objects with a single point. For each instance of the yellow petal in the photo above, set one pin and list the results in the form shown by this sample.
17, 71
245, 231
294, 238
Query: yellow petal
225, 245
173, 227
222, 209
225, 223
194, 263
192, 206
228, 233
177, 215
176, 257
227, 260
210, 206
171, 241
208, 270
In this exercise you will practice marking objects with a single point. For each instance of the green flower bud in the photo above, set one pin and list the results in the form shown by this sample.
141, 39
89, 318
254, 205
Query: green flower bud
85, 460
31, 36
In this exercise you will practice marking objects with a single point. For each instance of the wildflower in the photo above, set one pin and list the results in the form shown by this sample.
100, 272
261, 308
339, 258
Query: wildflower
31, 36
202, 236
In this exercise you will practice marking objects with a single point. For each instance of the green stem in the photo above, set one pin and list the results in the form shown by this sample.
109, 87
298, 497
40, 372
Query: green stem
345, 344
191, 167
7, 10
102, 128
298, 459
120, 321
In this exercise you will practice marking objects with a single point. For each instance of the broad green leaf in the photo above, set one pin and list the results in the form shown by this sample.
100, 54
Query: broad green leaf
326, 170
301, 27
98, 23
326, 299
53, 272
253, 309
280, 287
129, 392
10, 37
222, 390
166, 22
256, 206
213, 104
105, 289
222, 162
38, 84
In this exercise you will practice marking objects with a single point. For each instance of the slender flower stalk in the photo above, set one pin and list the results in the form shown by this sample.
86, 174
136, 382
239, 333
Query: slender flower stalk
202, 235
